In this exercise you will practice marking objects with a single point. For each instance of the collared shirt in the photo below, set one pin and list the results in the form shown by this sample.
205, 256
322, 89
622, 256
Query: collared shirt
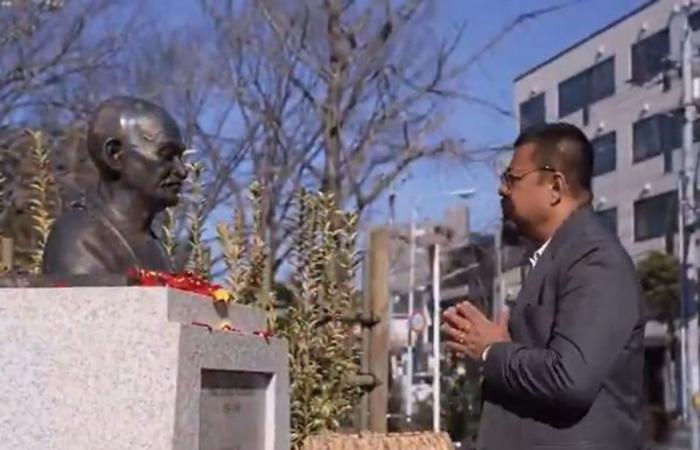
538, 253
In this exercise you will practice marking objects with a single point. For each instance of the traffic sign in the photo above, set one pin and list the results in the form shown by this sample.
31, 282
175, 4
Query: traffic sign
417, 322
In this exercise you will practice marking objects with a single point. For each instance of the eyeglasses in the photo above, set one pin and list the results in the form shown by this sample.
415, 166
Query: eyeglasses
508, 178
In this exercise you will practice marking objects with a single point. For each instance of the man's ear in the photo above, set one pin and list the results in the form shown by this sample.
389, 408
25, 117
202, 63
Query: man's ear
557, 188
112, 154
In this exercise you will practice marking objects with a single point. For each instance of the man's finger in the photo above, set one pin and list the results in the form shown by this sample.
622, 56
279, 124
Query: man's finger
449, 311
471, 313
454, 334
455, 320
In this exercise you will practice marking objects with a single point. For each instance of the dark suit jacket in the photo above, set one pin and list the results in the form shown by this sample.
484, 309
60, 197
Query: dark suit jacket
572, 377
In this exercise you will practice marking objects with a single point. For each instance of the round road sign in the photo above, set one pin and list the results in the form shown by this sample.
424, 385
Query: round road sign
417, 322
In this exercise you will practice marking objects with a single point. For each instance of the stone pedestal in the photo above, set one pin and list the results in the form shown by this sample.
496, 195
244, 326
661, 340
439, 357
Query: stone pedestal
125, 368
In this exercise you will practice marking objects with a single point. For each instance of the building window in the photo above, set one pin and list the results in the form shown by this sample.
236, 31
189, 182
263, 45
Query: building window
694, 20
659, 134
602, 82
649, 56
587, 87
655, 135
604, 153
532, 112
655, 216
608, 217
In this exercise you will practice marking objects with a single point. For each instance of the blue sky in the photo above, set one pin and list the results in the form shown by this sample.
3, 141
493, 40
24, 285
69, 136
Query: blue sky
492, 79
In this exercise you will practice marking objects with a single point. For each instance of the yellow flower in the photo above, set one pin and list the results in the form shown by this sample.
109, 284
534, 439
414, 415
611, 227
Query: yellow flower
221, 295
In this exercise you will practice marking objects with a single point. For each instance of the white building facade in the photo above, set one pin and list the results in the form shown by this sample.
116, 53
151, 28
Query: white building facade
622, 86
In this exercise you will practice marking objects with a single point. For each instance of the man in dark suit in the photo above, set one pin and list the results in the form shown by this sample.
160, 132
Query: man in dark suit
565, 370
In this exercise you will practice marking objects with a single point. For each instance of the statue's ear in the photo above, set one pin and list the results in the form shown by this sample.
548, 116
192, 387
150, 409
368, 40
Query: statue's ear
112, 153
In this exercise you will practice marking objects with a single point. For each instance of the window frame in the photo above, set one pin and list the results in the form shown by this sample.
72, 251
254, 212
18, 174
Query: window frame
610, 135
583, 83
645, 64
612, 210
672, 126
649, 202
667, 136
534, 100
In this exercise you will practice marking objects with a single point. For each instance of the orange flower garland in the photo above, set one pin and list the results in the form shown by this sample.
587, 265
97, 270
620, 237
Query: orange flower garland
196, 284
186, 281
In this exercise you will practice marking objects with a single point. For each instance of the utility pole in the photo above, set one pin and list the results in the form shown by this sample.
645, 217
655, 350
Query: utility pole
436, 338
411, 312
690, 263
682, 394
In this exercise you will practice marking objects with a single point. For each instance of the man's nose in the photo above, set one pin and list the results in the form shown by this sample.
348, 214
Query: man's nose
503, 189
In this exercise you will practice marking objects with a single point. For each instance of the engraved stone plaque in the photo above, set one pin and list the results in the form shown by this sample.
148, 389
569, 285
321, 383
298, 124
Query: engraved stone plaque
232, 410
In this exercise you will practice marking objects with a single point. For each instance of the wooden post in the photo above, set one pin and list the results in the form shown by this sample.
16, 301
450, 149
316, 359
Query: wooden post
6, 254
362, 423
379, 334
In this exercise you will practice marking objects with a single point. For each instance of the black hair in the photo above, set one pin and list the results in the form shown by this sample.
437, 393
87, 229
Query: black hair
565, 148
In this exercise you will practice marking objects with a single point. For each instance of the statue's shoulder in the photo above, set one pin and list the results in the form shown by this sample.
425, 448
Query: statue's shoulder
80, 227
75, 222
78, 243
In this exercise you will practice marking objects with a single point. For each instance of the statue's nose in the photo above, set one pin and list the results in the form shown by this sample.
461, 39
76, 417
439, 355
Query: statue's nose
180, 169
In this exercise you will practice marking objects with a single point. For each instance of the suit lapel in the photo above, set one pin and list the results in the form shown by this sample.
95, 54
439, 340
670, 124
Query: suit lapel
532, 285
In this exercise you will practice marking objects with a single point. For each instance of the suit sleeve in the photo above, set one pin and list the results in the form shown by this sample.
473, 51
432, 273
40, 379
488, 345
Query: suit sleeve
596, 312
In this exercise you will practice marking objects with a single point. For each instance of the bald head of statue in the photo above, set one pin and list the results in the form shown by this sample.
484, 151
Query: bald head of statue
136, 145
137, 148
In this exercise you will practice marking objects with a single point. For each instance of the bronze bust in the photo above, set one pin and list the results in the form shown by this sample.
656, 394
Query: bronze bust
137, 148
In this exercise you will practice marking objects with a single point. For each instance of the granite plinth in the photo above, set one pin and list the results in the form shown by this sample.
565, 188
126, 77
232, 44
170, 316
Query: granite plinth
43, 280
122, 367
